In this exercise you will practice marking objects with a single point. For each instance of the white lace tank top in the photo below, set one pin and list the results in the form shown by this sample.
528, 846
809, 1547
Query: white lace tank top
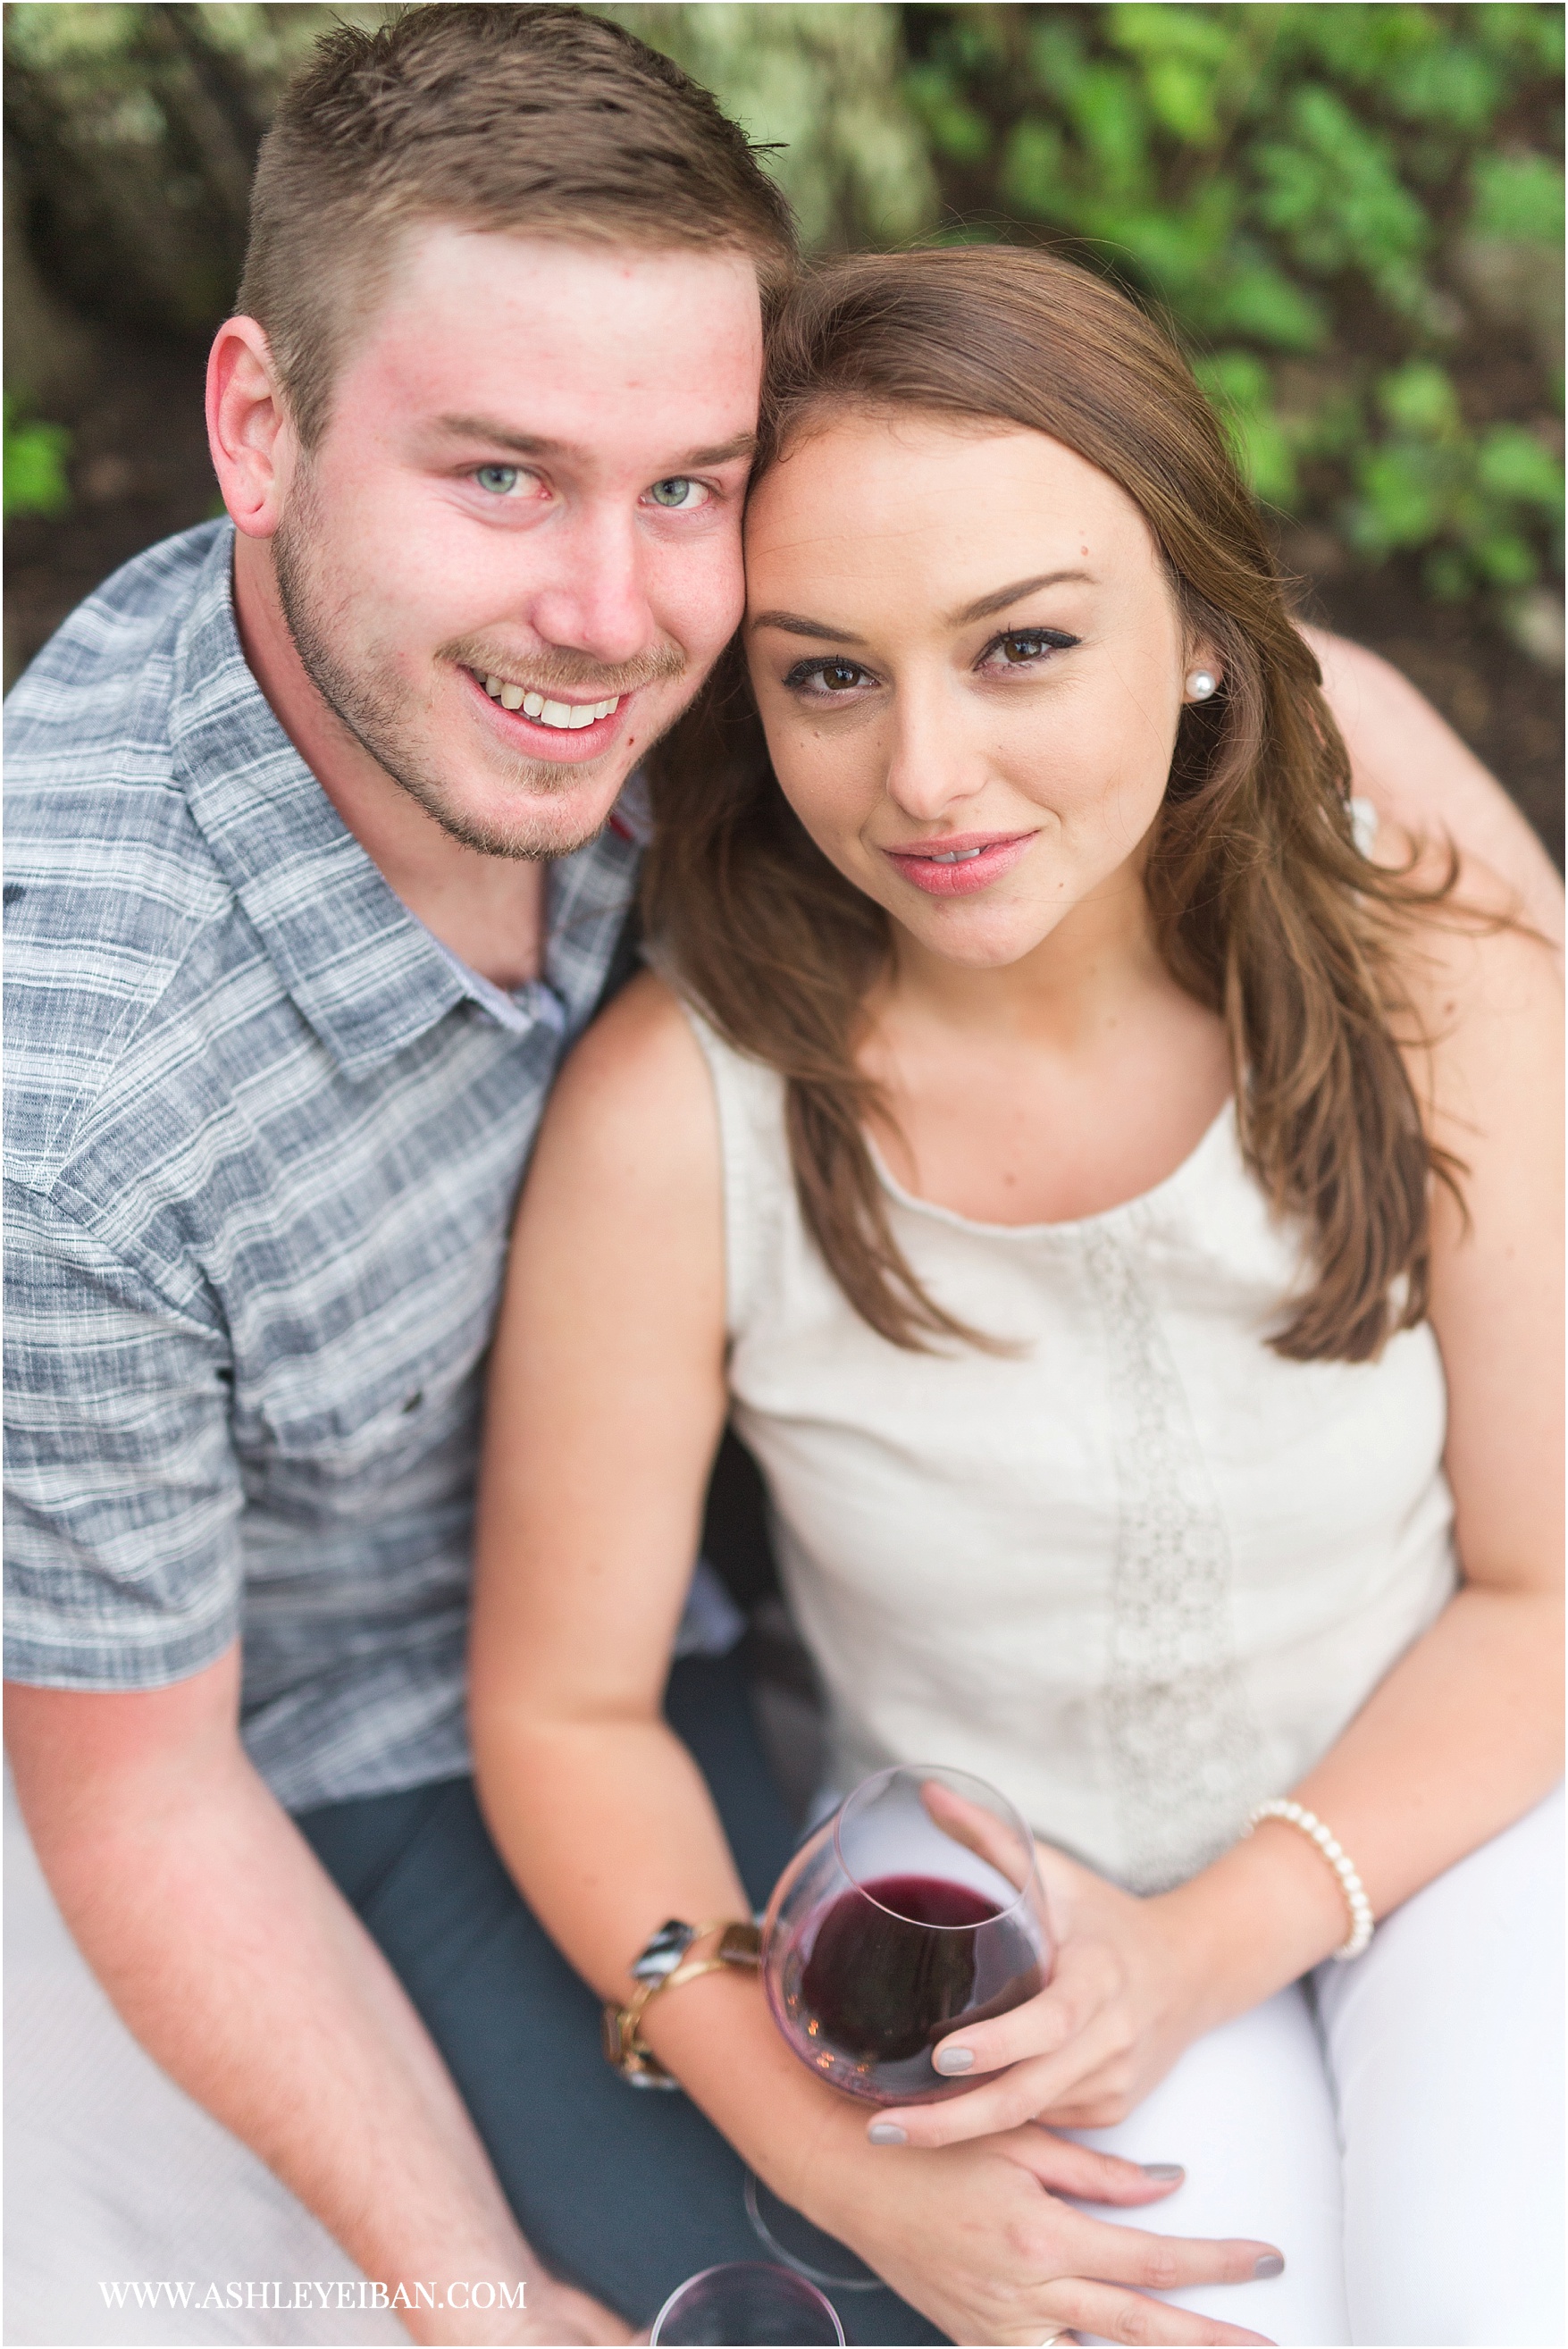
1138, 1576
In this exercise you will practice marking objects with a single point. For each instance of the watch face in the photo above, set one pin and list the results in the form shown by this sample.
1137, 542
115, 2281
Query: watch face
664, 1951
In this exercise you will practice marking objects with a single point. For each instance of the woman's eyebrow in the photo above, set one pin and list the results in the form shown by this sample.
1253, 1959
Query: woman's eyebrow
988, 605
794, 624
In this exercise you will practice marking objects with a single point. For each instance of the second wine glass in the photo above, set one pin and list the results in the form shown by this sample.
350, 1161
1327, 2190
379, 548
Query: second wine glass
747, 2301
914, 1910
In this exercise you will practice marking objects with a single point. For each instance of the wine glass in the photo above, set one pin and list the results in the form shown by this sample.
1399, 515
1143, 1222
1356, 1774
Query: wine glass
744, 2302
914, 1910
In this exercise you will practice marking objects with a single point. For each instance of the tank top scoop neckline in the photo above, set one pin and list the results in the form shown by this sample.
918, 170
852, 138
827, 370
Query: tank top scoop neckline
1220, 1128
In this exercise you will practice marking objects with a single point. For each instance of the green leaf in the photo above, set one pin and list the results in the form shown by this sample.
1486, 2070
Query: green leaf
1031, 176
1242, 392
1527, 38
1364, 45
956, 129
35, 482
1110, 118
1176, 251
1456, 88
1200, 35
1420, 398
1261, 302
1332, 190
1512, 463
1182, 96
1506, 560
1056, 59
1401, 502
1518, 197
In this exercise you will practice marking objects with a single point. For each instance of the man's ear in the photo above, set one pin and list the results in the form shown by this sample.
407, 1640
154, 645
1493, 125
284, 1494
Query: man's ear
249, 429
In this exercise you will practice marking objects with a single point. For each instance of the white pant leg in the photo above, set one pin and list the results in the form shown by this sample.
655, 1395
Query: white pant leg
1445, 2046
1247, 2112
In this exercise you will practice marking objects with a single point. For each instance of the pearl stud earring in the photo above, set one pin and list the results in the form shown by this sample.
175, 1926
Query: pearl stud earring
1200, 684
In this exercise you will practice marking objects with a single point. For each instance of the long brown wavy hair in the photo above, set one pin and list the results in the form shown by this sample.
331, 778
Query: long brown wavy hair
1264, 908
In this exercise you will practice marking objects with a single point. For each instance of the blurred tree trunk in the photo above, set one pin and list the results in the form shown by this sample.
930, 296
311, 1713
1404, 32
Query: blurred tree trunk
825, 83
131, 132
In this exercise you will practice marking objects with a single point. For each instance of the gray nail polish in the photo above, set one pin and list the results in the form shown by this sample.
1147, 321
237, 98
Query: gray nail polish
953, 2059
890, 2133
1162, 2172
1269, 2263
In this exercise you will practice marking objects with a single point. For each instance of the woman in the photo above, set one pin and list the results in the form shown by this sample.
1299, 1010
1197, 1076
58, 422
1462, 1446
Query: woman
1122, 1219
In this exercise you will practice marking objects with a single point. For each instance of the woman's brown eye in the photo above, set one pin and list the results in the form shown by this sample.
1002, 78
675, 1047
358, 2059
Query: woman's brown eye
1022, 649
838, 677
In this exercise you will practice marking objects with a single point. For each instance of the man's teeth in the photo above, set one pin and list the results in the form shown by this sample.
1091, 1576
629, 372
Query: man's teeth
954, 856
566, 715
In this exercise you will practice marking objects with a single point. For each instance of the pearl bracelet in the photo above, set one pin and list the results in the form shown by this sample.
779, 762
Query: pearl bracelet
1296, 1814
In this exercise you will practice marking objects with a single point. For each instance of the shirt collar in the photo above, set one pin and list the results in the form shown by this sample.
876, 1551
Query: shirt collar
367, 974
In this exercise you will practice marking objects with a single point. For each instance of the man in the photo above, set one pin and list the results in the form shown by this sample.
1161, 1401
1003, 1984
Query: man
323, 835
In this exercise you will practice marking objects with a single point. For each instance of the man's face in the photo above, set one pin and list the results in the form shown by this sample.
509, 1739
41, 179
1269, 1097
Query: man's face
514, 552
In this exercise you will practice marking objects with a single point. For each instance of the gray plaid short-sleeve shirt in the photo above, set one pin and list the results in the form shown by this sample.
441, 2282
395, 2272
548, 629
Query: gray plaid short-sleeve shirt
264, 1139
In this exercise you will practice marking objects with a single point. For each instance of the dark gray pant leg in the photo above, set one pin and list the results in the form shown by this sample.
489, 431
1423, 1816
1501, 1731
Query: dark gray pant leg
623, 2191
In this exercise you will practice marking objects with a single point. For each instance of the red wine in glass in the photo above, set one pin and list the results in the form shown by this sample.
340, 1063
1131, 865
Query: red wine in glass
915, 1910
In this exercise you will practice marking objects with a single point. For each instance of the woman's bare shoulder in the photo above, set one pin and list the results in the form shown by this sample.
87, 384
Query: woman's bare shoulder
635, 1093
640, 1042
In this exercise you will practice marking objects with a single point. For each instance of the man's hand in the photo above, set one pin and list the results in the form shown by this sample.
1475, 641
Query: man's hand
559, 2318
1423, 780
235, 1961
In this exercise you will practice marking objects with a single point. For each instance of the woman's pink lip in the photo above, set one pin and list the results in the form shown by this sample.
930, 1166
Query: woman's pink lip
953, 841
998, 852
567, 746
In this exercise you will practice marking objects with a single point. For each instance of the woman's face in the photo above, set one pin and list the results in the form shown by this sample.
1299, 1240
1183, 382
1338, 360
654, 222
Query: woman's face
970, 666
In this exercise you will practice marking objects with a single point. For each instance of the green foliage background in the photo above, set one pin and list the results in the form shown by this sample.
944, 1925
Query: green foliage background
1352, 215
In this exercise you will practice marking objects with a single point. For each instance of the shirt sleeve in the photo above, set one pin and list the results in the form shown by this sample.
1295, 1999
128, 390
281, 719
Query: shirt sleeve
123, 1490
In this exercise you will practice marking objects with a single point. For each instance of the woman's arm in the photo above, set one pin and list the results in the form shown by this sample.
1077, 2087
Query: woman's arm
1465, 1733
606, 1402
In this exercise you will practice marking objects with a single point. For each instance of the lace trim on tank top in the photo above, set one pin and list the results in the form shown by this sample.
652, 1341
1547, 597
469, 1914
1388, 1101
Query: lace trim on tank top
1183, 1747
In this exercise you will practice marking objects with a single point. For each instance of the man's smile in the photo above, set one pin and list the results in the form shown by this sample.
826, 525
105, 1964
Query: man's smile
546, 725
569, 716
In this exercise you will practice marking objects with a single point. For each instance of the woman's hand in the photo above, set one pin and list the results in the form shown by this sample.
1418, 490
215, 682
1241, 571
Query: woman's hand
976, 2236
1124, 2000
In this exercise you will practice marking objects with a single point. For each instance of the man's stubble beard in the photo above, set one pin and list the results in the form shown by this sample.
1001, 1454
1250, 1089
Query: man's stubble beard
378, 717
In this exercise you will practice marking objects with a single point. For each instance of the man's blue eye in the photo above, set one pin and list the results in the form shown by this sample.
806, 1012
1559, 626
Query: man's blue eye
498, 479
677, 491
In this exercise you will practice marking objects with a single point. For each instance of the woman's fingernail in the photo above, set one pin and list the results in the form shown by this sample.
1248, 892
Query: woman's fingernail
890, 2133
953, 2059
1163, 2173
1269, 2263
